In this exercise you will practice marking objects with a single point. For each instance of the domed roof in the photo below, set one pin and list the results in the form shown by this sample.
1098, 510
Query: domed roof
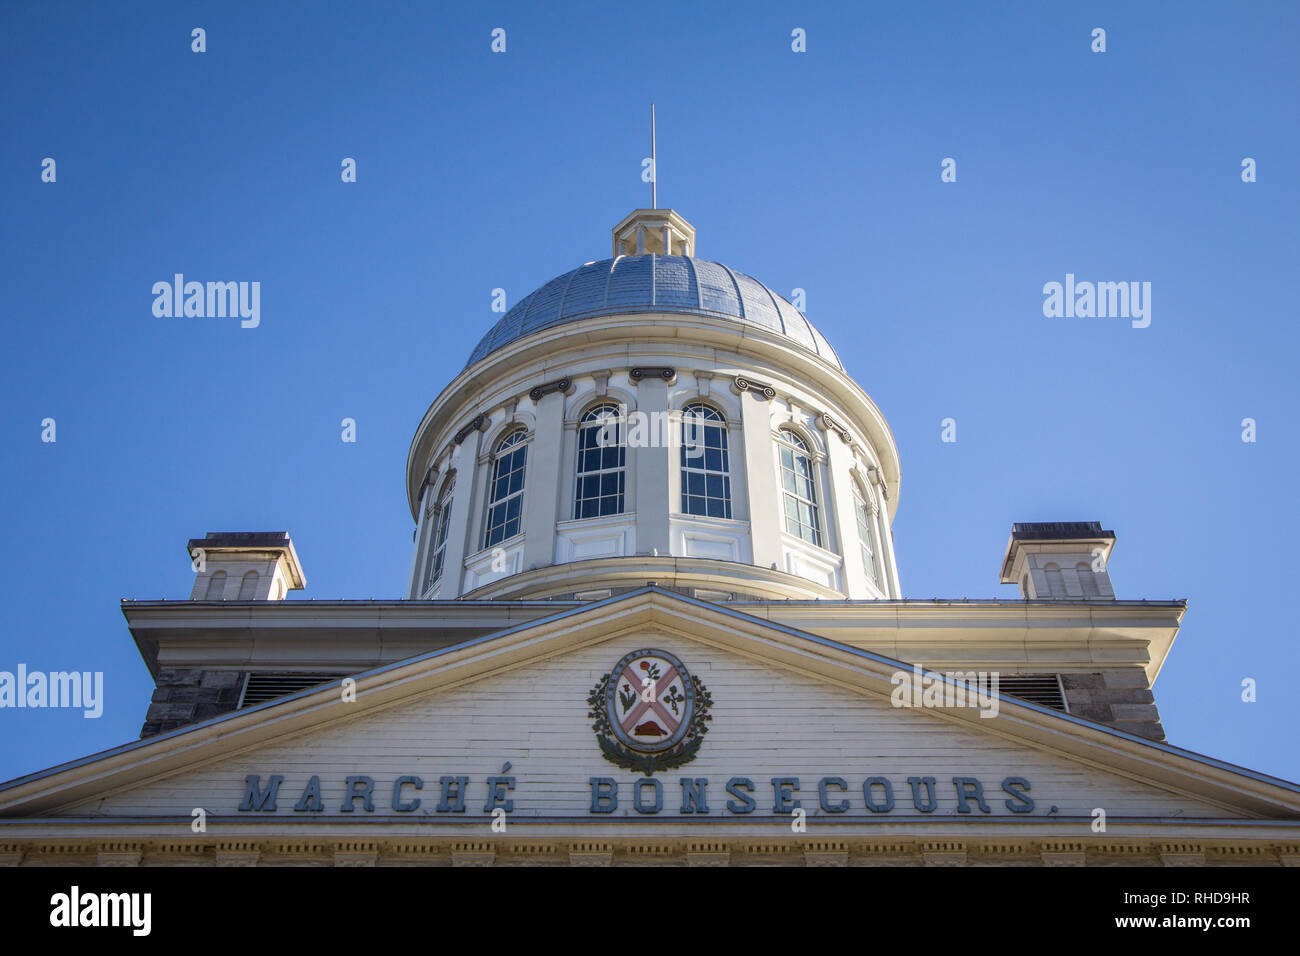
654, 283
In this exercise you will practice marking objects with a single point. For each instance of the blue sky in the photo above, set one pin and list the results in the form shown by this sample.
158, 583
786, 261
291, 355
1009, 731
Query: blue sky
818, 170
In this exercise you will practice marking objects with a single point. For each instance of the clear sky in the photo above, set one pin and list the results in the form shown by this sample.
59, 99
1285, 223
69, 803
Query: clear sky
817, 170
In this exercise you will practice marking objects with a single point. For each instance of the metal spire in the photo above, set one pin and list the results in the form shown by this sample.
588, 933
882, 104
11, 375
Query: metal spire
654, 163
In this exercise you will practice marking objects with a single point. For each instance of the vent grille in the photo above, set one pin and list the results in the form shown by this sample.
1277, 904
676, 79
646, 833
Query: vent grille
1042, 689
259, 688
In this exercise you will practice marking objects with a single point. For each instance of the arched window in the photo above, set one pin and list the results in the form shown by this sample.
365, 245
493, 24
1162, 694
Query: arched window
216, 586
799, 487
248, 586
506, 494
1088, 582
706, 470
602, 460
438, 544
866, 534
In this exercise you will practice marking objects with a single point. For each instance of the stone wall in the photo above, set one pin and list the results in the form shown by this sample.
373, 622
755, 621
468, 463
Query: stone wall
188, 696
1120, 698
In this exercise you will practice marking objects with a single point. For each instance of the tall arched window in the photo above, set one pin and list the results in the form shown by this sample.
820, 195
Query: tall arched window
506, 495
216, 586
438, 543
866, 534
602, 460
248, 586
706, 470
799, 487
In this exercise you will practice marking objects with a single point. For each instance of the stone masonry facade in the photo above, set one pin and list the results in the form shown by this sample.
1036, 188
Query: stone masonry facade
187, 696
1120, 698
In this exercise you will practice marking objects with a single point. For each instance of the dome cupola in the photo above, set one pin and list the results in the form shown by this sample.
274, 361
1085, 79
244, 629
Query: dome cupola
654, 232
653, 417
652, 283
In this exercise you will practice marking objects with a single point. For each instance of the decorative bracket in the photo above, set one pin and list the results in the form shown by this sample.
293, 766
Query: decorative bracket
665, 372
430, 474
563, 385
476, 424
880, 480
831, 424
742, 384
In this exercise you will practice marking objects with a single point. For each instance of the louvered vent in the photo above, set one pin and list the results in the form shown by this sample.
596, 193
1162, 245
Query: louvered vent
1042, 689
259, 688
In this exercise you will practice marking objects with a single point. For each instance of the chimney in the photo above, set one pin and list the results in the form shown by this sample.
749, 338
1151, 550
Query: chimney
1060, 561
244, 566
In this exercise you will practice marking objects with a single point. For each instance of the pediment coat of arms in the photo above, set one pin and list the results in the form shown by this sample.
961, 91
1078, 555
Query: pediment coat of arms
649, 713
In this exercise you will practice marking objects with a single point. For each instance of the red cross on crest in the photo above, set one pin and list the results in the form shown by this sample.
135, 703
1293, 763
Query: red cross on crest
649, 711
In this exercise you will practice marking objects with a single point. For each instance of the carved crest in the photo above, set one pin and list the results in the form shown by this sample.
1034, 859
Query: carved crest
649, 712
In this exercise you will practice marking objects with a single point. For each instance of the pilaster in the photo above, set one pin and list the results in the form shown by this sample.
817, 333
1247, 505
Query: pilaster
652, 464
544, 499
760, 479
464, 460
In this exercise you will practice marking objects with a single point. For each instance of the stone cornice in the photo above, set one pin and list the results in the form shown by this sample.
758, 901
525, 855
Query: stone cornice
1120, 613
595, 841
1006, 634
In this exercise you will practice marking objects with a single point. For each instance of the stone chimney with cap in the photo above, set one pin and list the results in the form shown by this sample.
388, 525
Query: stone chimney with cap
244, 566
228, 566
1060, 561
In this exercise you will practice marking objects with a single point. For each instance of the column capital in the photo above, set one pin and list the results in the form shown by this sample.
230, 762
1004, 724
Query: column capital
564, 386
741, 384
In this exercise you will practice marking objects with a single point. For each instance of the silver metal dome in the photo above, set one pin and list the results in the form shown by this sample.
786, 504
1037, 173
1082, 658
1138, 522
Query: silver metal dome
654, 283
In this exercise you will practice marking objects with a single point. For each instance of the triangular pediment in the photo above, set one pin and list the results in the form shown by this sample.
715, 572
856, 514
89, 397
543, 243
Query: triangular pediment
510, 713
